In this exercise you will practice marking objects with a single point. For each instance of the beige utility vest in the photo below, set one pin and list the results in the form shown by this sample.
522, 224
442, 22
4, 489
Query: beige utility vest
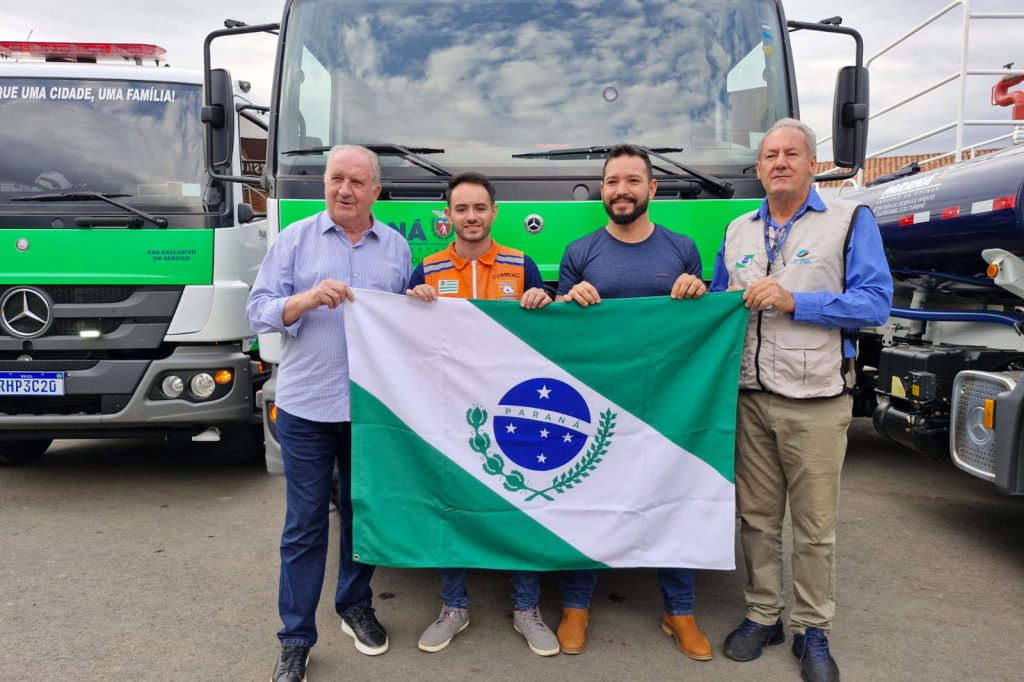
779, 355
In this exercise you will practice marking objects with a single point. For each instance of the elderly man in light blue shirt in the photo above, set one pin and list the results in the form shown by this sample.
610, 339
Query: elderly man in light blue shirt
307, 276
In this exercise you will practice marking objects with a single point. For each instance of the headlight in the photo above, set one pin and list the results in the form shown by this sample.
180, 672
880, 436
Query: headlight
202, 385
172, 386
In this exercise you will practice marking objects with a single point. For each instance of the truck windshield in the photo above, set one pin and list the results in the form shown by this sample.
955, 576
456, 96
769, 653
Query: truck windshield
480, 81
140, 141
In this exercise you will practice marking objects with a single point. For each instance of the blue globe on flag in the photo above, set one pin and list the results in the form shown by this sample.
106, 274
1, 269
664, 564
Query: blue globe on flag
541, 424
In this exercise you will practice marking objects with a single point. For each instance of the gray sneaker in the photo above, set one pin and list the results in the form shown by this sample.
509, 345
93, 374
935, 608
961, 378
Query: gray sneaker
529, 624
441, 632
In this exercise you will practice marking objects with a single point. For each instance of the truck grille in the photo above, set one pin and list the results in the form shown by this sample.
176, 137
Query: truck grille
119, 319
72, 326
89, 294
973, 446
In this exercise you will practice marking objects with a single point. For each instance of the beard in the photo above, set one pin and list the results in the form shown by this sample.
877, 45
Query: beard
639, 208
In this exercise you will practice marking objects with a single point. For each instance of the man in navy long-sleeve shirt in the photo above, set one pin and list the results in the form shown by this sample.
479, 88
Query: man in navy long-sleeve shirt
810, 269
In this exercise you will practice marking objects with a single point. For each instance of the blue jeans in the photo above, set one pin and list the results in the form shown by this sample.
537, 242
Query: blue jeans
676, 589
525, 589
310, 451
578, 588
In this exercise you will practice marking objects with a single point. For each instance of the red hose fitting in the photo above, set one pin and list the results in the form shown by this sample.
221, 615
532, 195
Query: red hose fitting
1002, 98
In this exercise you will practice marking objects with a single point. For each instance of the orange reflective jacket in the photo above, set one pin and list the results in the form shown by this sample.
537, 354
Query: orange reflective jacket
499, 274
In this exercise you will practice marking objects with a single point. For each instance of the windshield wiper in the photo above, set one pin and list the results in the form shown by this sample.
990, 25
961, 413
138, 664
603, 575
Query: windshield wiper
413, 154
306, 150
70, 196
588, 151
720, 187
98, 196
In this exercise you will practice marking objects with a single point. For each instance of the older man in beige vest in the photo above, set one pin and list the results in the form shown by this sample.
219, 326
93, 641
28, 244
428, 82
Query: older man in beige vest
810, 269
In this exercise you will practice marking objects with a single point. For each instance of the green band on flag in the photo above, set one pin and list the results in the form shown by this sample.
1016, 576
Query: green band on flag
453, 521
709, 330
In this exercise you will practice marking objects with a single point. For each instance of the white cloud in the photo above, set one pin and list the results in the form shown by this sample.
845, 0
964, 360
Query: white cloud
923, 60
181, 25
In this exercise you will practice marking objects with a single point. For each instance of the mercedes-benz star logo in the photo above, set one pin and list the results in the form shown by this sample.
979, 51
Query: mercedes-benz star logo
533, 223
26, 312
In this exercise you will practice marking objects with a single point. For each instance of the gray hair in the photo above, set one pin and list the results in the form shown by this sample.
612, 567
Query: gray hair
370, 156
809, 137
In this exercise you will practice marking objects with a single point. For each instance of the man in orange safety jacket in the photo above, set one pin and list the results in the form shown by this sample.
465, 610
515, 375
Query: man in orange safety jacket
476, 266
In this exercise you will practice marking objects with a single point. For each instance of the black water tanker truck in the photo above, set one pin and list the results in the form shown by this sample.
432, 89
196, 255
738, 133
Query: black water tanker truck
944, 375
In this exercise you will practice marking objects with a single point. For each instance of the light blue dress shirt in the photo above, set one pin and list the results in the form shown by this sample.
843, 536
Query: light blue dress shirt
312, 380
868, 296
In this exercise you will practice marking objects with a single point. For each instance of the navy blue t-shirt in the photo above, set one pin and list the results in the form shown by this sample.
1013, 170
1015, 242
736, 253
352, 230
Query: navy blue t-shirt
621, 270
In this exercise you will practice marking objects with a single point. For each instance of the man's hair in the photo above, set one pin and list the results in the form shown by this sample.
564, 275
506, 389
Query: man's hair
809, 137
370, 156
628, 150
469, 178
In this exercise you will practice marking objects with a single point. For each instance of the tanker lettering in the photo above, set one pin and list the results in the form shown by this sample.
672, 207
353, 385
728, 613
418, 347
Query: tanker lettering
908, 186
906, 197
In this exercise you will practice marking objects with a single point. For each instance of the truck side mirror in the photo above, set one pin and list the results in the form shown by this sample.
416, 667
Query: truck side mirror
244, 213
850, 117
218, 117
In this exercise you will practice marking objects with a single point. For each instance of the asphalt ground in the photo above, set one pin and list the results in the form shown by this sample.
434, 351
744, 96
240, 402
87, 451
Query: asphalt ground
133, 560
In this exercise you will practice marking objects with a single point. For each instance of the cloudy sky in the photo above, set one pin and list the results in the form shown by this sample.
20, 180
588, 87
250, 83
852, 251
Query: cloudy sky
181, 25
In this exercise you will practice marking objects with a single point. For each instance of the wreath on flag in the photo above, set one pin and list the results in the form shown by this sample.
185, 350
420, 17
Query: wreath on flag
514, 481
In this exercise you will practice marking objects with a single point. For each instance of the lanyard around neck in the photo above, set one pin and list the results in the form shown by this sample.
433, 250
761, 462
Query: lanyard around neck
783, 232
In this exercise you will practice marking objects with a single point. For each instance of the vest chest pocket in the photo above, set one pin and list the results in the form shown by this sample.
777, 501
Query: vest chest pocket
807, 358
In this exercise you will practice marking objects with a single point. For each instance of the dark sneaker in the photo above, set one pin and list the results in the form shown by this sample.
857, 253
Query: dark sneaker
538, 636
440, 633
291, 667
362, 625
746, 642
816, 663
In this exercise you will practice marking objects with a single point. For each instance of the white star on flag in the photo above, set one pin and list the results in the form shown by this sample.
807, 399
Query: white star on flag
541, 458
511, 428
543, 433
567, 438
544, 391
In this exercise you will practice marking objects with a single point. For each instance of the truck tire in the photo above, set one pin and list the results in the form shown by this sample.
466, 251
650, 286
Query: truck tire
15, 452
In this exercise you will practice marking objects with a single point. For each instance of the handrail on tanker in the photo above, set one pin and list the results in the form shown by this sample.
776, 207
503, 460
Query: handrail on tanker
961, 122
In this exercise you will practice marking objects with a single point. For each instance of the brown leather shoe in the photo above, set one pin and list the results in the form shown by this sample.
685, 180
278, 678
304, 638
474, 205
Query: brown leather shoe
572, 631
690, 639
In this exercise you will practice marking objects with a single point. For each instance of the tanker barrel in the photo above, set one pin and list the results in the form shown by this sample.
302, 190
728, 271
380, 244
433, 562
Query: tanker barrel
943, 219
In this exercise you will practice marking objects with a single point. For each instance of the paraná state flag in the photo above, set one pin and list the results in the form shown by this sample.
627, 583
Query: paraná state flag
489, 436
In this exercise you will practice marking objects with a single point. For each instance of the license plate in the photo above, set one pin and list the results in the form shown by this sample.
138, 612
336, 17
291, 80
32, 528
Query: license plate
31, 383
